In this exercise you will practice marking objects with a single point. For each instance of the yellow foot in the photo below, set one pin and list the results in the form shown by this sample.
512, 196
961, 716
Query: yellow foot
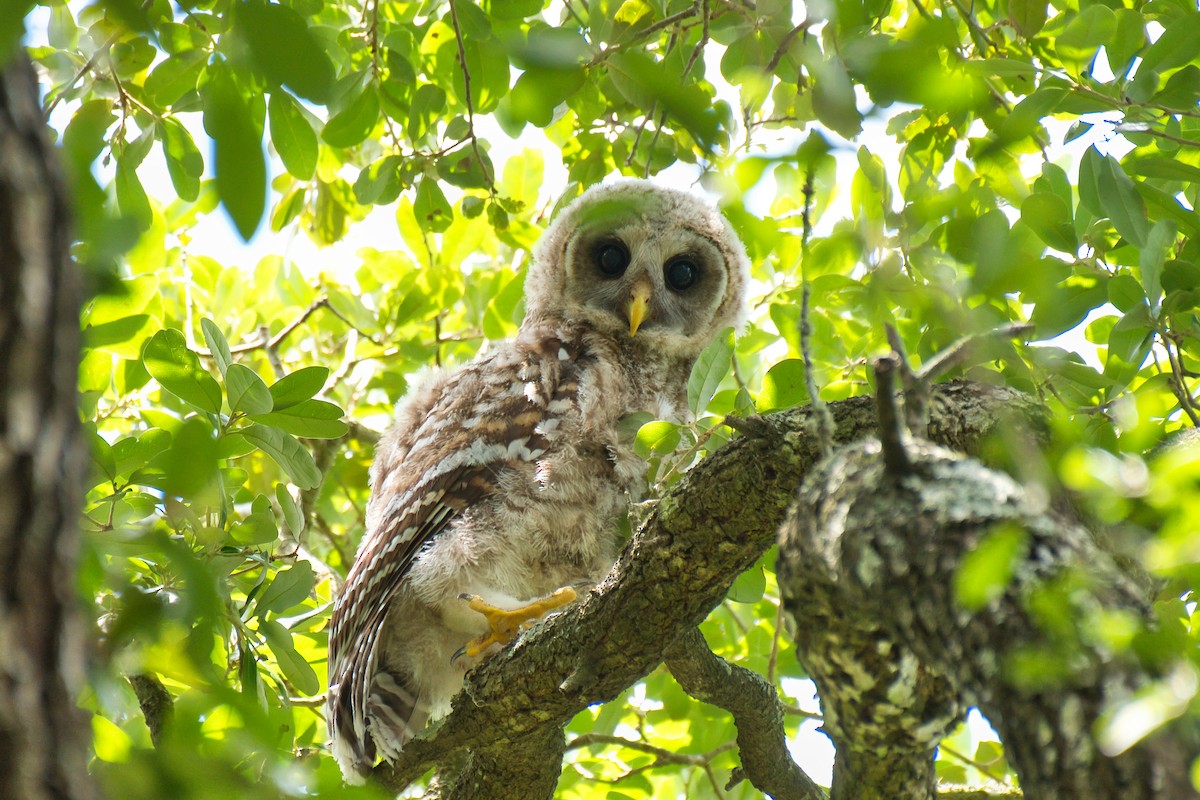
504, 624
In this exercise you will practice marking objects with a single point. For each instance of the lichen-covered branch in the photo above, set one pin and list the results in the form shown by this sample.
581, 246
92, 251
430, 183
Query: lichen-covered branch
756, 711
680, 564
889, 553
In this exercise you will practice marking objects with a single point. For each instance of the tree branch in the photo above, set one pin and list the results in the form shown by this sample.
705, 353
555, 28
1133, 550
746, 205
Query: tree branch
715, 523
756, 711
892, 552
155, 701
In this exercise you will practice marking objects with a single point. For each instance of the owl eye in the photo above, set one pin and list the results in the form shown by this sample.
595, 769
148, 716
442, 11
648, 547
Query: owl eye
681, 273
612, 258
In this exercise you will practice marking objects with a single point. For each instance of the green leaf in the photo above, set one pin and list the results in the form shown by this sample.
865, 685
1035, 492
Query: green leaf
1027, 16
1125, 293
986, 571
709, 370
284, 49
247, 392
239, 161
1106, 191
355, 121
292, 514
540, 90
1083, 36
184, 162
217, 345
170, 362
288, 453
293, 136
646, 82
748, 587
1154, 258
834, 100
783, 386
131, 196
431, 207
297, 670
312, 419
189, 466
258, 527
1050, 219
298, 386
1178, 44
174, 77
656, 437
289, 587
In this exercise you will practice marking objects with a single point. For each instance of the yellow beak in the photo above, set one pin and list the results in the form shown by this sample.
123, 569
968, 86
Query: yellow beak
639, 306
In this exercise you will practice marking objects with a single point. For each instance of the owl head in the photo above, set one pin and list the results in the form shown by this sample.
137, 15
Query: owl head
641, 262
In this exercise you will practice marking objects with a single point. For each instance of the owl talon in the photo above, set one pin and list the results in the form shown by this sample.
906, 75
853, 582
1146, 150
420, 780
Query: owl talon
505, 624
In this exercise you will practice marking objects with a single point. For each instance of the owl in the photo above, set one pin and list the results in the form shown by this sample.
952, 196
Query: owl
497, 491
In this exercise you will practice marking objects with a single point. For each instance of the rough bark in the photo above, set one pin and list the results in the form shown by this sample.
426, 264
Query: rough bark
679, 565
881, 552
43, 738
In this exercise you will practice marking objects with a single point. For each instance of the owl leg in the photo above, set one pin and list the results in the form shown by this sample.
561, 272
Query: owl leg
505, 624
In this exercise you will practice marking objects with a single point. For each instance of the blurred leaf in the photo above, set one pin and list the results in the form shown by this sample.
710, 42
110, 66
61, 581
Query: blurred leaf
355, 121
293, 136
986, 571
239, 163
184, 163
294, 667
1027, 16
749, 586
284, 49
783, 386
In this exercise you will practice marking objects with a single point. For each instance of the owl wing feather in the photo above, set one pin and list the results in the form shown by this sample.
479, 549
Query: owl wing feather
440, 473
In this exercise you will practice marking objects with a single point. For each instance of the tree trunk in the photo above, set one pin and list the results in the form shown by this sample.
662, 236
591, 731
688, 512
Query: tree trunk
43, 736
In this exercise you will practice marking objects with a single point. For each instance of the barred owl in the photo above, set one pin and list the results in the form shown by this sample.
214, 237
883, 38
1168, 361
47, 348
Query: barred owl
500, 485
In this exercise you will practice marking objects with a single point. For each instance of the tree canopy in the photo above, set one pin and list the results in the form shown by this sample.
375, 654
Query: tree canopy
937, 167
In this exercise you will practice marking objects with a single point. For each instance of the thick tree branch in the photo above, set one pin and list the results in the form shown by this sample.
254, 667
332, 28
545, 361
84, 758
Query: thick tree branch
890, 553
709, 528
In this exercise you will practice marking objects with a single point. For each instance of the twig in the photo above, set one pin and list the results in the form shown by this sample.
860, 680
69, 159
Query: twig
751, 426
462, 60
891, 431
784, 44
822, 418
916, 394
1176, 380
962, 350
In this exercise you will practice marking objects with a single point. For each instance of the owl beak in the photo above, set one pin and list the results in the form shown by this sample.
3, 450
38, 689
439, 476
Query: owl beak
639, 307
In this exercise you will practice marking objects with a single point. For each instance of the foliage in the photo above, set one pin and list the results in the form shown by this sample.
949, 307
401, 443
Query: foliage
959, 166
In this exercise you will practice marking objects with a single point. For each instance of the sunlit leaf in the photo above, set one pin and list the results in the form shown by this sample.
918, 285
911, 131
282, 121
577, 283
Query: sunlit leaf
178, 369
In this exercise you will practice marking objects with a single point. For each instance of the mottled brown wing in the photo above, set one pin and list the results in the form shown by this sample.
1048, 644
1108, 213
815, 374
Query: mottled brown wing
449, 465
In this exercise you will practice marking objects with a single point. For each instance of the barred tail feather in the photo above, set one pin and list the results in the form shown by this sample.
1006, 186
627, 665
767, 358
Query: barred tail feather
395, 714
